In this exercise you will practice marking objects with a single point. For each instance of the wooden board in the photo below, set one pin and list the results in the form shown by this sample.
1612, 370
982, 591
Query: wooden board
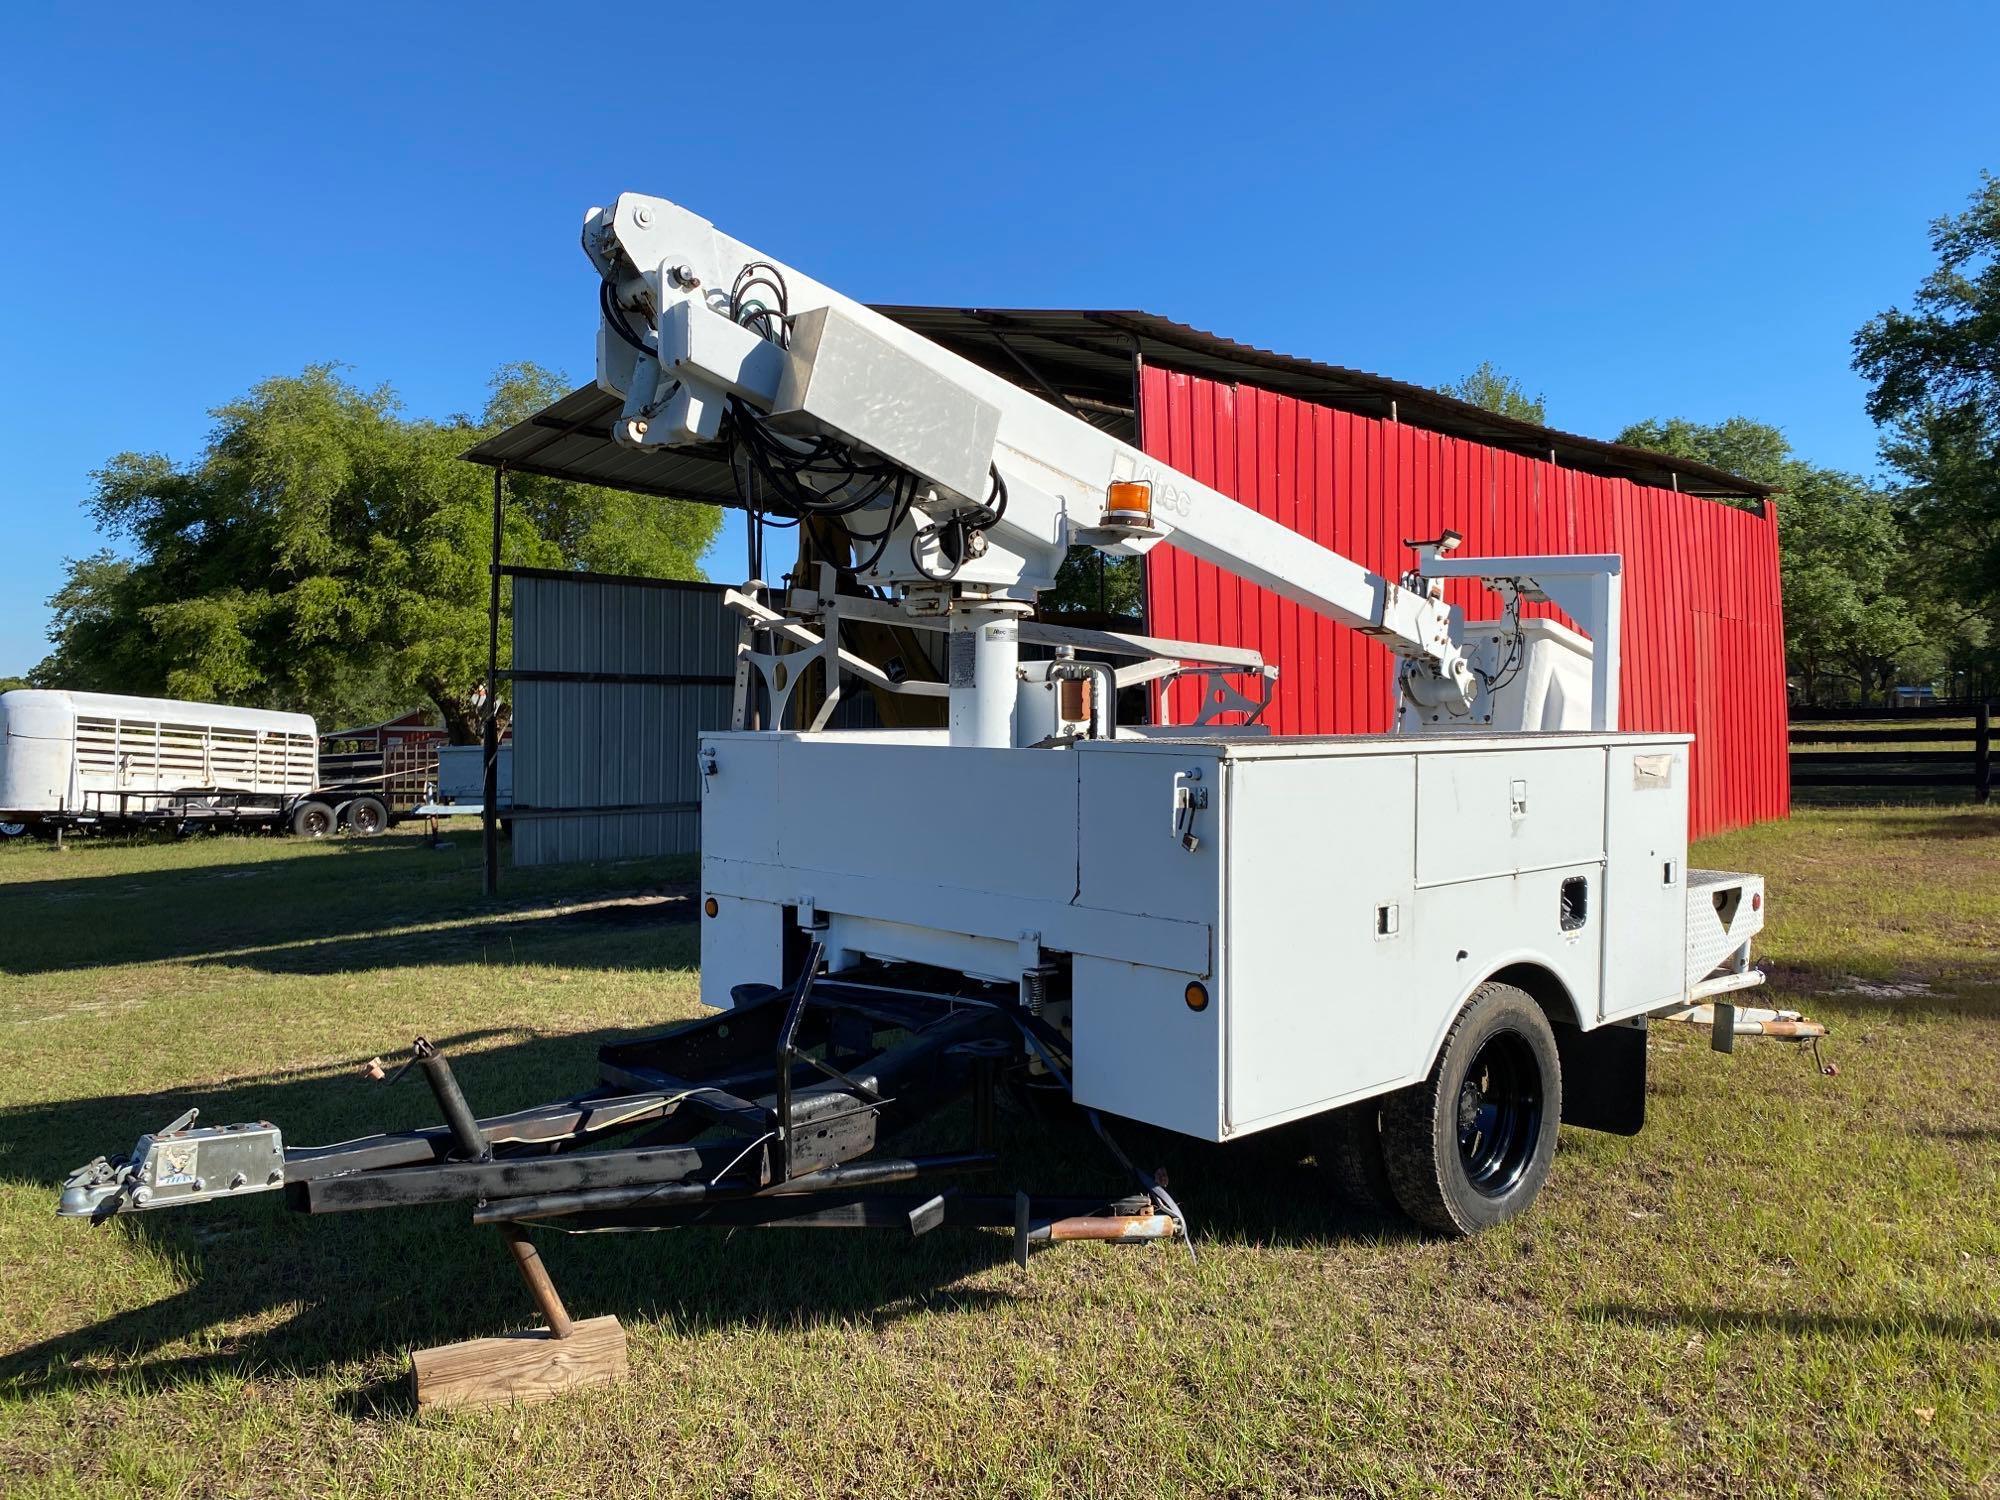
530, 1366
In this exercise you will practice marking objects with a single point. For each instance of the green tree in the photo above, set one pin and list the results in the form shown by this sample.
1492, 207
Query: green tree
326, 552
1488, 387
1854, 604
8, 684
1935, 373
1091, 584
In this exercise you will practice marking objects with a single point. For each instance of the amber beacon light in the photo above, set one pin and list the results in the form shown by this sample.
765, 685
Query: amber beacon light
1129, 502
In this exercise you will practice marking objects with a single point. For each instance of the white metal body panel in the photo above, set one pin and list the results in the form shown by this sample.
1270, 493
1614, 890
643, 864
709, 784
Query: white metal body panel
1645, 879
461, 774
903, 802
1493, 812
1172, 1078
1469, 931
59, 750
1725, 910
1129, 857
1320, 1001
1335, 942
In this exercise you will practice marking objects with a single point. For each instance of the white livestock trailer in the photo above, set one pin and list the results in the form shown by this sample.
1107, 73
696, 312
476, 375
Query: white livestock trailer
103, 761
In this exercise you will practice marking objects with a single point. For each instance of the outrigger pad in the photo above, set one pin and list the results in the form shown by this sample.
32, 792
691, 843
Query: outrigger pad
530, 1366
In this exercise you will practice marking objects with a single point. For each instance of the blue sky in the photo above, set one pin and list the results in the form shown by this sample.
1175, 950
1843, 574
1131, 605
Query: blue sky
1638, 210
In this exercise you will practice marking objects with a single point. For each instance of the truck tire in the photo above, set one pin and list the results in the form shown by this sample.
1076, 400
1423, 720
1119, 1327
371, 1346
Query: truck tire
367, 816
11, 831
1471, 1145
1347, 1144
312, 820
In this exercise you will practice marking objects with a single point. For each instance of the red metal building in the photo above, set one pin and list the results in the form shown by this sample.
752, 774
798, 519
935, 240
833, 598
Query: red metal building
1703, 638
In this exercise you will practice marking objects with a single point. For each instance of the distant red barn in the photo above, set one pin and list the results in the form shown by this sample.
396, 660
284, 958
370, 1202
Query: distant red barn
1703, 637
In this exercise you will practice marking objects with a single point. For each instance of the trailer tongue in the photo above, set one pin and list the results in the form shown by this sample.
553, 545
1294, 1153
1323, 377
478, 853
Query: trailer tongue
770, 1114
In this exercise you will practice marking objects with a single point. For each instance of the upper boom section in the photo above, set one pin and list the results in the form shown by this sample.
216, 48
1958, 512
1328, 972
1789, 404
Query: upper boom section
950, 480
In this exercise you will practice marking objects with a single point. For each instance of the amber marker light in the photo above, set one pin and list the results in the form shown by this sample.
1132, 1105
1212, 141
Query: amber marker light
1129, 502
1196, 995
711, 906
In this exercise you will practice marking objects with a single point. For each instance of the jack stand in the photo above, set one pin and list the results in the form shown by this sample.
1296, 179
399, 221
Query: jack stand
531, 1366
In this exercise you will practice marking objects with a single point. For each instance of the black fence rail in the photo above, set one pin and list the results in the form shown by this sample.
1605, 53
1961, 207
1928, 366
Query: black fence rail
1895, 766
1926, 708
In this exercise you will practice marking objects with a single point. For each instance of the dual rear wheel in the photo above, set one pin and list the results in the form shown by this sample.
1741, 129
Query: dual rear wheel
1470, 1146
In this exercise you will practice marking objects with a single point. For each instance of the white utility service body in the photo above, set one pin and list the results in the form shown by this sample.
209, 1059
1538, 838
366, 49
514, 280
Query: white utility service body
1343, 896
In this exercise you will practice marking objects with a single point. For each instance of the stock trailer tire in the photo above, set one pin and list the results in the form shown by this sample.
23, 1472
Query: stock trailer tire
1471, 1146
367, 816
312, 820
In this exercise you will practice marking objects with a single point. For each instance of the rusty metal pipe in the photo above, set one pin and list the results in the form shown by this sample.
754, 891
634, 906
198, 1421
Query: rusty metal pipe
1117, 1229
540, 1286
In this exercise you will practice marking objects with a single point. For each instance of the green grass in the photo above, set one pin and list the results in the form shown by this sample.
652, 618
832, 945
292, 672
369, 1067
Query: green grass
1787, 1284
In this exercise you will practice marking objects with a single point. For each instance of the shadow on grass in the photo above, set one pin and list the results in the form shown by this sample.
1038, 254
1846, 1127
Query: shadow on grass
1937, 803
1973, 1135
321, 913
365, 1285
1968, 987
1934, 827
1798, 1324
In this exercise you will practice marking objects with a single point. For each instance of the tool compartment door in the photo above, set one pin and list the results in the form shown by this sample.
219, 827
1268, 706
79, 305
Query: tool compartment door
1505, 810
1140, 1050
1320, 924
1645, 879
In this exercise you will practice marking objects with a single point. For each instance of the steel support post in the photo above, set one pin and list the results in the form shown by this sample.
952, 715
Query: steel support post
540, 1287
490, 734
1982, 754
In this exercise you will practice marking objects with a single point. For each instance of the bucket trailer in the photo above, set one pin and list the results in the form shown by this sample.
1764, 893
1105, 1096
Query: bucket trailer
1431, 946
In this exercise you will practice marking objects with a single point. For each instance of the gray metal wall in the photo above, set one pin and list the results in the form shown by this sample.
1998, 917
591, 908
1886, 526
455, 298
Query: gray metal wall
613, 680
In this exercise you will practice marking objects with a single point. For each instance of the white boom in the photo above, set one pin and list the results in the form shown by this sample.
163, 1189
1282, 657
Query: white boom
695, 325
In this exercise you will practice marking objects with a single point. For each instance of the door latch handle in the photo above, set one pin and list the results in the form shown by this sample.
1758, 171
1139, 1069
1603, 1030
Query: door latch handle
1189, 799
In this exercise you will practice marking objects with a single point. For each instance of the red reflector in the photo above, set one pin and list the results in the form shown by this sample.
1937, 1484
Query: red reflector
1756, 901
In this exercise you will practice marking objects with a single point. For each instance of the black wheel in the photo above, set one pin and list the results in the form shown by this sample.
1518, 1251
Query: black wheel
1471, 1145
367, 816
1347, 1144
312, 820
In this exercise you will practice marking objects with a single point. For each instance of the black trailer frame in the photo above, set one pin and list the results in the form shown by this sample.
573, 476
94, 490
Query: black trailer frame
200, 809
769, 1114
